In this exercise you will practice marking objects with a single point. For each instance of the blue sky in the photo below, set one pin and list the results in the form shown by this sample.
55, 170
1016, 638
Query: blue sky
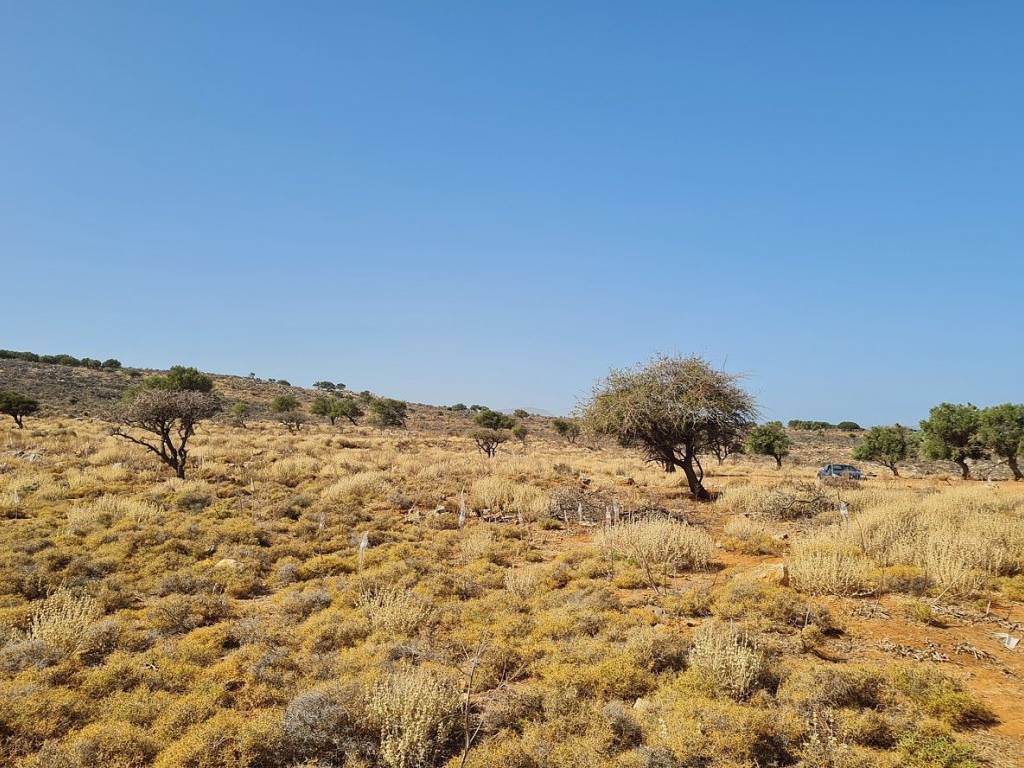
495, 203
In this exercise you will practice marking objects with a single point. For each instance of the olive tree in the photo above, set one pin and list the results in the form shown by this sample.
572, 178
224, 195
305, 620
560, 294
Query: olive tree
953, 433
387, 412
334, 408
1002, 432
769, 440
673, 409
567, 428
239, 411
489, 419
288, 412
180, 378
17, 406
887, 446
169, 415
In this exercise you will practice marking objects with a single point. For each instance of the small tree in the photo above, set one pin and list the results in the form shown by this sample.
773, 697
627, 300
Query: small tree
673, 409
288, 412
111, 363
335, 408
725, 446
180, 379
17, 406
459, 407
171, 416
952, 432
520, 433
521, 413
887, 446
239, 412
769, 440
322, 404
327, 386
567, 428
1002, 431
489, 419
849, 426
488, 440
387, 412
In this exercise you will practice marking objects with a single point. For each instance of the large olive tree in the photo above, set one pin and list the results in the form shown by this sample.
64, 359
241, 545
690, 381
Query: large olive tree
953, 432
1002, 431
673, 409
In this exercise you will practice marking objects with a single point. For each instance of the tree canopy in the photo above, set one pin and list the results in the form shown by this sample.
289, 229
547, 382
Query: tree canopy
180, 378
334, 408
567, 428
17, 406
952, 432
489, 419
171, 416
488, 440
887, 446
387, 412
769, 439
1002, 432
673, 409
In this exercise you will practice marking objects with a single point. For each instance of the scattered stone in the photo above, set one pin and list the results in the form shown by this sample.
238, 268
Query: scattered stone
1007, 640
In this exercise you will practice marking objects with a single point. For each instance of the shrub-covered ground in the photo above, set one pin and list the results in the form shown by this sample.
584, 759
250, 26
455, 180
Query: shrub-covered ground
311, 599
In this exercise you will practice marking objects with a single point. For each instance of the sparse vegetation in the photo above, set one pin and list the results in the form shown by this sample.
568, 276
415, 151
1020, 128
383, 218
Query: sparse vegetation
375, 598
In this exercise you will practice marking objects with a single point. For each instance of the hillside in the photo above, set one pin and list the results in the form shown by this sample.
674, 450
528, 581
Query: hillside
352, 597
77, 391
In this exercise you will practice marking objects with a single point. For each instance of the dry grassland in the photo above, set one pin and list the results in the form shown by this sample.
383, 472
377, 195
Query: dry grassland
234, 619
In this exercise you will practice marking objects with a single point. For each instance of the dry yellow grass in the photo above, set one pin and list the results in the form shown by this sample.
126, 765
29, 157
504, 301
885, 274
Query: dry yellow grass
233, 620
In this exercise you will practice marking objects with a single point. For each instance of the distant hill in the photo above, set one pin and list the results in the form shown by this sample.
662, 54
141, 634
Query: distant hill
80, 391
529, 410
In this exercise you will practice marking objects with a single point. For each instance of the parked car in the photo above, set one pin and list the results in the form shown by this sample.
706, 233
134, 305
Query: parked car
847, 471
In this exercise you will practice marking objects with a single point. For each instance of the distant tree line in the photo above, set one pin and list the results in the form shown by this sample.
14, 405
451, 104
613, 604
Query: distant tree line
76, 362
817, 426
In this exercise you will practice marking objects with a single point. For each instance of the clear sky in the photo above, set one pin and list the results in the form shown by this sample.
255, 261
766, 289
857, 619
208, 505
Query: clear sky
496, 202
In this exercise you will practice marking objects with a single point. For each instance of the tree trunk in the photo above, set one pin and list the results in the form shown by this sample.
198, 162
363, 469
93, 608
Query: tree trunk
18, 420
1015, 468
895, 472
778, 462
965, 471
696, 487
179, 470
